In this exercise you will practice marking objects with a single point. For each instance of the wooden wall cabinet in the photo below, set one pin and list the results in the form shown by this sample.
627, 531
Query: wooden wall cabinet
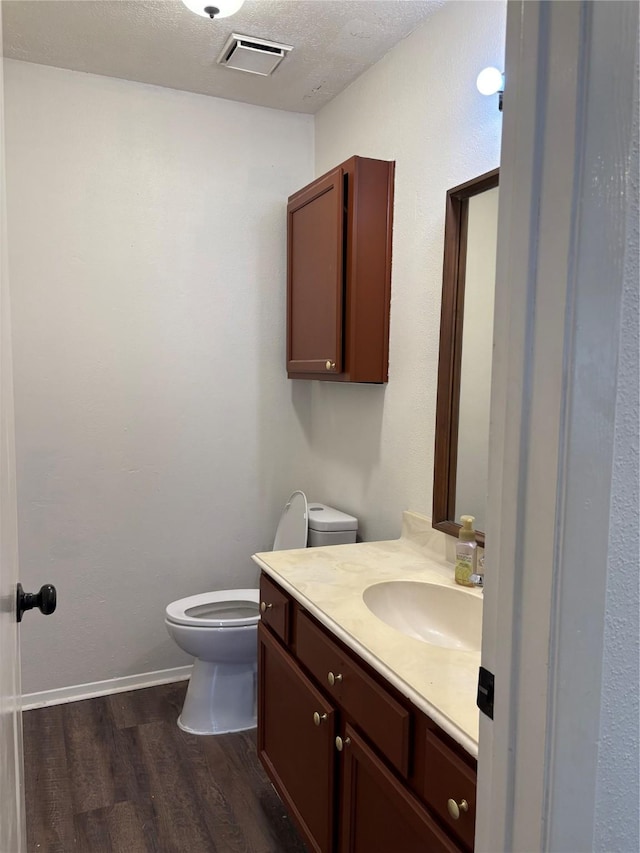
360, 769
339, 231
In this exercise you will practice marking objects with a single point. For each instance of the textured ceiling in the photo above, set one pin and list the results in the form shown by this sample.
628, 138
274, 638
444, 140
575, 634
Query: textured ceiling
162, 42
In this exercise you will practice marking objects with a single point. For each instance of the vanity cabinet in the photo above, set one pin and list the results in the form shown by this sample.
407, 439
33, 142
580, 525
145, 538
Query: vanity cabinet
339, 232
360, 769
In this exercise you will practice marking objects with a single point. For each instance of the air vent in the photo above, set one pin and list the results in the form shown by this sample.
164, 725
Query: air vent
257, 56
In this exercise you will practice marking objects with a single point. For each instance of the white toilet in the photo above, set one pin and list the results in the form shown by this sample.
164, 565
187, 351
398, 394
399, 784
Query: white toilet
220, 628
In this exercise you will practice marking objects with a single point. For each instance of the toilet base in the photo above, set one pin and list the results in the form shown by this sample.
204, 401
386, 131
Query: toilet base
221, 699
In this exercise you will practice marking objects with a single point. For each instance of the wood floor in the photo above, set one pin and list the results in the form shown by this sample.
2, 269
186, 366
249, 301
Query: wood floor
115, 773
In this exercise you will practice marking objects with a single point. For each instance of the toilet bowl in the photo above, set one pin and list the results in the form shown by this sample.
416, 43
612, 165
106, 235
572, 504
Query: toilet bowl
219, 629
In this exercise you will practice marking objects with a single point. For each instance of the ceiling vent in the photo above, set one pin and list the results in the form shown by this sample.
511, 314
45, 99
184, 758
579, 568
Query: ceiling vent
257, 56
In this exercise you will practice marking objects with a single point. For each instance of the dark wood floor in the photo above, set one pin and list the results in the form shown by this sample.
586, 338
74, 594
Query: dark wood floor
115, 773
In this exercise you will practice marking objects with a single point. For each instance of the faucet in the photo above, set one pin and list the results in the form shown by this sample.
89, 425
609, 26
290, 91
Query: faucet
477, 578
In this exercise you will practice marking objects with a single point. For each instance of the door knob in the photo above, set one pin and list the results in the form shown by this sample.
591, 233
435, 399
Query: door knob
455, 808
45, 600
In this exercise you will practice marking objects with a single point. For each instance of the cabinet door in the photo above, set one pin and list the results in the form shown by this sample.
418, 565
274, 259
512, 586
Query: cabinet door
295, 746
383, 720
377, 814
315, 277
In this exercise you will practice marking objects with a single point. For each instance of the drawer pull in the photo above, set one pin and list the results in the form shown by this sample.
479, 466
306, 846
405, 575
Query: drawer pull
264, 606
334, 679
454, 808
342, 742
318, 718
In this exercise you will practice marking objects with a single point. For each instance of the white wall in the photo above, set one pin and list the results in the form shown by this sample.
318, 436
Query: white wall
156, 441
373, 446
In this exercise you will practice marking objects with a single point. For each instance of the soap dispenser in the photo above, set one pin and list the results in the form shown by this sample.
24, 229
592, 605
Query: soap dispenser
466, 552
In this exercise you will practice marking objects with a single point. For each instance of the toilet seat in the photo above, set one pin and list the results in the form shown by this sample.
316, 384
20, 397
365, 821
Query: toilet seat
226, 608
293, 527
238, 608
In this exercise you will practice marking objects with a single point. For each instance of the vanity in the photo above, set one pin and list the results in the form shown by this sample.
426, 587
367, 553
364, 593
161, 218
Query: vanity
368, 658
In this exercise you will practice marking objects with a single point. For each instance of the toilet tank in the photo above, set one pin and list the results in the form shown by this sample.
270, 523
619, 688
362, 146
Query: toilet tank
329, 526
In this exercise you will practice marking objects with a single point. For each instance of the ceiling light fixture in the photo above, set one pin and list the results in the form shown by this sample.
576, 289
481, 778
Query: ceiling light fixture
215, 8
490, 81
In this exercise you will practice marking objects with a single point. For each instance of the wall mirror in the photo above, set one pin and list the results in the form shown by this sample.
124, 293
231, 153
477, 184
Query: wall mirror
466, 341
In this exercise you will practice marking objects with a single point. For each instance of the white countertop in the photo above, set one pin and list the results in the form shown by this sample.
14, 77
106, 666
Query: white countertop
329, 583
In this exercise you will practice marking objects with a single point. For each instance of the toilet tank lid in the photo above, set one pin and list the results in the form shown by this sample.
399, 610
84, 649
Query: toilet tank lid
323, 517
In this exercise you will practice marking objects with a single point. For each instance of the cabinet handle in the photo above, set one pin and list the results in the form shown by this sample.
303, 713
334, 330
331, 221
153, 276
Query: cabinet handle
330, 365
264, 606
454, 808
334, 679
318, 718
342, 742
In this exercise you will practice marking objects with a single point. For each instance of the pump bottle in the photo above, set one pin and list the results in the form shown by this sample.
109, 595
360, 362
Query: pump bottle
466, 552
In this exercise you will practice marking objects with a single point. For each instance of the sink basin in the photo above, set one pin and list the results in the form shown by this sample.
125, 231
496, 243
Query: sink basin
439, 615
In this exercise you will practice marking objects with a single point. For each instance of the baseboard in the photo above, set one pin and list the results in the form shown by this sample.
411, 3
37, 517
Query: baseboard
103, 688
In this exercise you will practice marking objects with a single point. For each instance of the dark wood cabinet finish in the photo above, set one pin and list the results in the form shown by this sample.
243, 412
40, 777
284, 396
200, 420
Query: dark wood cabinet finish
447, 777
379, 716
275, 608
315, 220
339, 231
377, 814
384, 784
296, 749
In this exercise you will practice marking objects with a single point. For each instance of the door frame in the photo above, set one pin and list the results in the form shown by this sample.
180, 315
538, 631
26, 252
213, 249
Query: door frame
566, 187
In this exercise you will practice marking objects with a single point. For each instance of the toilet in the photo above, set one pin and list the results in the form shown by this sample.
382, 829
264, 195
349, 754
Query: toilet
219, 629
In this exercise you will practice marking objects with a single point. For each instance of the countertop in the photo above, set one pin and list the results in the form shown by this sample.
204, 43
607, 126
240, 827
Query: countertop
329, 583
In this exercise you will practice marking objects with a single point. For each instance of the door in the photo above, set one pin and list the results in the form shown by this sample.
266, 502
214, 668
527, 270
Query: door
315, 276
12, 820
557, 766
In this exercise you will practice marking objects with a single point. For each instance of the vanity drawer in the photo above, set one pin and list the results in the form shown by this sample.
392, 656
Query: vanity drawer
275, 609
383, 720
447, 777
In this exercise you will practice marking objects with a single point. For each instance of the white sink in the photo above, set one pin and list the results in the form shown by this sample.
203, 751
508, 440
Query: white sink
439, 615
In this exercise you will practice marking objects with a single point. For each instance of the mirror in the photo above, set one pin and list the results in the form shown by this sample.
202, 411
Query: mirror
464, 369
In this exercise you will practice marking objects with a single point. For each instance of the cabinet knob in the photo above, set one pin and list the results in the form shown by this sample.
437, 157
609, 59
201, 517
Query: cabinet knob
334, 679
454, 808
330, 365
318, 718
342, 742
264, 606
